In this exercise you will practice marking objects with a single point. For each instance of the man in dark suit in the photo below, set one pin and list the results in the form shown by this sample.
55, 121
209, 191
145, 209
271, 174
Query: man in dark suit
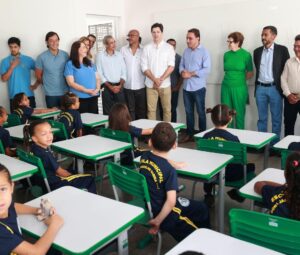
269, 61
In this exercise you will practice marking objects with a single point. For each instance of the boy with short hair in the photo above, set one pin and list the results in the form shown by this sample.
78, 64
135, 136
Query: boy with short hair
176, 215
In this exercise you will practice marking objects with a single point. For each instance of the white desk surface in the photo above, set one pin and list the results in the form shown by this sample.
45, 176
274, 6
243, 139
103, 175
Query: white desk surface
285, 142
46, 115
210, 242
93, 120
145, 123
90, 220
18, 169
250, 138
270, 174
91, 146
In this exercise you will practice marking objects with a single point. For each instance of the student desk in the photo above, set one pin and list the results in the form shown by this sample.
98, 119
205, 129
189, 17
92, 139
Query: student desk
210, 242
270, 174
252, 139
284, 143
46, 115
90, 221
17, 168
145, 123
92, 120
91, 147
203, 166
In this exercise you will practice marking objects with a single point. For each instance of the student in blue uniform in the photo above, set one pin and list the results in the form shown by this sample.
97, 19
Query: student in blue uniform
283, 200
21, 107
40, 133
294, 146
11, 240
5, 138
70, 115
119, 119
176, 215
221, 117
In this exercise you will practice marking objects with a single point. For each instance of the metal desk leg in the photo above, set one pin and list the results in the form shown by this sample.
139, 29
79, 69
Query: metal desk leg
221, 200
80, 165
266, 156
123, 243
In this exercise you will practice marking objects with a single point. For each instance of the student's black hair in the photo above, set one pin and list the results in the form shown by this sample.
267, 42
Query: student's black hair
292, 176
74, 56
221, 115
17, 100
14, 40
191, 253
29, 130
2, 111
67, 100
163, 137
159, 25
4, 170
272, 29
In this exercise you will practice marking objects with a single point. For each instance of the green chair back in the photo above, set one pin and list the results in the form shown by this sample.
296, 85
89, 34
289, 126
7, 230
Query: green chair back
118, 135
36, 161
62, 132
12, 120
2, 150
273, 232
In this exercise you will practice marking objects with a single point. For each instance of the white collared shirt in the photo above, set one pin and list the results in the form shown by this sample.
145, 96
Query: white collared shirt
135, 76
290, 77
157, 58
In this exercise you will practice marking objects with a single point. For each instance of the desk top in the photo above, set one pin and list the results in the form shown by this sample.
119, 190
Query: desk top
270, 174
284, 143
90, 220
18, 169
93, 120
145, 123
210, 242
200, 164
250, 138
46, 115
91, 146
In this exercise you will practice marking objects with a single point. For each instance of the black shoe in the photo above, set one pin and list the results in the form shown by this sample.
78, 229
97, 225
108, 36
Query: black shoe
234, 195
209, 200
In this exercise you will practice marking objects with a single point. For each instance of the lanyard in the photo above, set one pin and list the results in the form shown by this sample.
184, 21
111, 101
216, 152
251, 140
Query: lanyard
7, 227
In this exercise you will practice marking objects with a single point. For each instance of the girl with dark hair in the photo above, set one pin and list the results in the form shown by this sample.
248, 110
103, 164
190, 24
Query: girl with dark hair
83, 78
8, 146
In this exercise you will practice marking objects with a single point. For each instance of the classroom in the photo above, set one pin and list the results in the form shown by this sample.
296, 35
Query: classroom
194, 103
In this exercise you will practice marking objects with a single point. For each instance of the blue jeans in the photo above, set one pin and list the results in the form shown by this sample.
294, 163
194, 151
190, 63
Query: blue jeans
190, 99
266, 96
53, 101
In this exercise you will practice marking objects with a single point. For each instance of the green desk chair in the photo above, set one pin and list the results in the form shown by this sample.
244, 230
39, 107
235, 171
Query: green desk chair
12, 120
61, 132
135, 184
273, 232
2, 150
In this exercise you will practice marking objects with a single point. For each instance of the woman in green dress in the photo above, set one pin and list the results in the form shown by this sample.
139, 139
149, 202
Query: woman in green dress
238, 68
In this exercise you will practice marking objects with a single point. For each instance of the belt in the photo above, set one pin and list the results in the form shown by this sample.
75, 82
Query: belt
266, 84
115, 84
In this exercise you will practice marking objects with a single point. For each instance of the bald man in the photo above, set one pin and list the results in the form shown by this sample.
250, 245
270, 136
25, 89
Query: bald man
134, 88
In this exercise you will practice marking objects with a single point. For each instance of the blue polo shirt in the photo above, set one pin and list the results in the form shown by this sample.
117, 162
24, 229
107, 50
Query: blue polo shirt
85, 76
20, 79
53, 72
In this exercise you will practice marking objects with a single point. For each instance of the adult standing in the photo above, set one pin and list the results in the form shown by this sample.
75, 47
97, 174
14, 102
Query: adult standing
158, 60
134, 87
49, 70
93, 50
83, 78
194, 68
290, 84
16, 70
269, 61
238, 69
112, 70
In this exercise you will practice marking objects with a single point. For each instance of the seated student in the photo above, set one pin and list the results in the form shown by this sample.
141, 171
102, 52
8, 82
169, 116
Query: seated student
119, 119
176, 215
221, 117
294, 146
70, 115
11, 240
5, 138
283, 200
21, 107
40, 133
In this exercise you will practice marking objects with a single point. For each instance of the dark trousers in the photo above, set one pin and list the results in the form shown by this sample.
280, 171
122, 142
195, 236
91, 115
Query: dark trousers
109, 99
290, 116
89, 104
53, 101
31, 100
136, 101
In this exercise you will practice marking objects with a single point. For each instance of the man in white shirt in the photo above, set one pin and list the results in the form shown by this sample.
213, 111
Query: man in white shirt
134, 87
158, 61
290, 84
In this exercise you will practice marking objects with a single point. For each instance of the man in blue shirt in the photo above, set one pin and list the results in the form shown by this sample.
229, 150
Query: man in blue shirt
194, 67
16, 70
49, 70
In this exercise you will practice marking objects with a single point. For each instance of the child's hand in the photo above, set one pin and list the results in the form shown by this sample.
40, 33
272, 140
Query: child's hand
54, 220
180, 165
154, 226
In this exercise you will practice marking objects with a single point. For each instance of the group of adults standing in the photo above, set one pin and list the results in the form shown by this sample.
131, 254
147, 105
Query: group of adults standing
143, 76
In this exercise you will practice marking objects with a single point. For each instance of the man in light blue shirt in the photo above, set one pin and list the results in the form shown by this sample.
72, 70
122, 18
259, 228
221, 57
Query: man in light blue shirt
49, 71
112, 71
194, 68
16, 70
